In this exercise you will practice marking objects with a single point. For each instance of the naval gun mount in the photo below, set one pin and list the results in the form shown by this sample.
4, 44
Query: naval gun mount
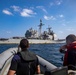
34, 34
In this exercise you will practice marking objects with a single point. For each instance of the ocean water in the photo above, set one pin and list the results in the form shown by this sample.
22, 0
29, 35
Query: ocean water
50, 52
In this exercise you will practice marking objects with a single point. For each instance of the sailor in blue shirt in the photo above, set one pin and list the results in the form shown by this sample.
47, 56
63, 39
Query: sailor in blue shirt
24, 62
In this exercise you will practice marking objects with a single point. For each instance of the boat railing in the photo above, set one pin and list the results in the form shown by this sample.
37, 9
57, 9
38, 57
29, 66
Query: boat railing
5, 67
5, 58
45, 65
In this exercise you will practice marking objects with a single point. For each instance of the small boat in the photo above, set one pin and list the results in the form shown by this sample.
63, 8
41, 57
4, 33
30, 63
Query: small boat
6, 56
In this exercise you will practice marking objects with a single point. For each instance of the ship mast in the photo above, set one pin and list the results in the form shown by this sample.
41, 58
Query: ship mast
40, 27
51, 32
49, 29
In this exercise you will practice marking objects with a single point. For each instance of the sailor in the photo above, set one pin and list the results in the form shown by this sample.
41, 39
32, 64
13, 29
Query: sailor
24, 62
70, 53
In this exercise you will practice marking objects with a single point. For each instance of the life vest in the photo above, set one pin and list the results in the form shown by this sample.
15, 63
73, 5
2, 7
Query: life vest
27, 63
70, 55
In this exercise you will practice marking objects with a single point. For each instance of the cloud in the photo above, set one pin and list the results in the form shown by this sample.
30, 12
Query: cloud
42, 8
24, 12
7, 12
16, 8
49, 17
27, 13
58, 2
61, 16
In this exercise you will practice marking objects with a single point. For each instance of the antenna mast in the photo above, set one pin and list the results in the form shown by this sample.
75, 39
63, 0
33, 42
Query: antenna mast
40, 27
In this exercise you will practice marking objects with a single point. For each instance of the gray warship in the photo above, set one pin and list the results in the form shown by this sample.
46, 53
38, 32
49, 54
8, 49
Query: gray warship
35, 37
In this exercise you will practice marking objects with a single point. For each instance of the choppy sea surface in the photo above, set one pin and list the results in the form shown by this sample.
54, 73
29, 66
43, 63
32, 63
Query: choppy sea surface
50, 52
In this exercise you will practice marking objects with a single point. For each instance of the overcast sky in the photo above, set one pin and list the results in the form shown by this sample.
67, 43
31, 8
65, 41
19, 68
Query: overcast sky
17, 16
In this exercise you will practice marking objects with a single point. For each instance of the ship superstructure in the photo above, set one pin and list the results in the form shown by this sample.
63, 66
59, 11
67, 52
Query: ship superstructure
34, 34
31, 34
